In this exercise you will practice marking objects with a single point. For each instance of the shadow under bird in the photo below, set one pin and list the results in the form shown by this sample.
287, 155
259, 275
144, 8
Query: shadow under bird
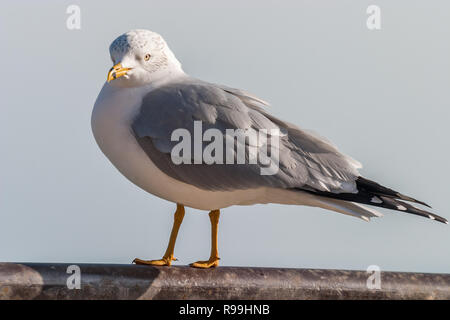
147, 97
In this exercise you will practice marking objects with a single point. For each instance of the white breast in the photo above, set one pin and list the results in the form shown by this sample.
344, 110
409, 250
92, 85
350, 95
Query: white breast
113, 113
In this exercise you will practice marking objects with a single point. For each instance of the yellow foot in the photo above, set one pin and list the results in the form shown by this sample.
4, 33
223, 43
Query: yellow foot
211, 263
165, 261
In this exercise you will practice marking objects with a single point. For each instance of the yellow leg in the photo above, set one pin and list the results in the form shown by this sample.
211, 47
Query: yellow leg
168, 256
214, 258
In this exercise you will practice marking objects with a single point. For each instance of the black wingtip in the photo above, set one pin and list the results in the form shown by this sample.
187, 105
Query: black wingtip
401, 206
374, 194
378, 189
438, 218
406, 198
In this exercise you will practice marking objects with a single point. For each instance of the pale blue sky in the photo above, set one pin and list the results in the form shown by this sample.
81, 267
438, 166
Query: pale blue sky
381, 96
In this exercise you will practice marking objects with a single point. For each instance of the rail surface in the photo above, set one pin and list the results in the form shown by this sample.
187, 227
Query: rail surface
103, 281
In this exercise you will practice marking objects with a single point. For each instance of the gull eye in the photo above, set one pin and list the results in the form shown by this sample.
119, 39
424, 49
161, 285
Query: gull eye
147, 57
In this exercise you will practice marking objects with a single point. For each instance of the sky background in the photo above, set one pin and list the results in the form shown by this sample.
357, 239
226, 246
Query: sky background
382, 96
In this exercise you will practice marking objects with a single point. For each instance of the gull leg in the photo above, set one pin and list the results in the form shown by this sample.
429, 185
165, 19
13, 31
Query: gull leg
168, 256
214, 258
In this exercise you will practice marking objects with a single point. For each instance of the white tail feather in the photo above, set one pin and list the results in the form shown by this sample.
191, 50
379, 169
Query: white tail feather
348, 208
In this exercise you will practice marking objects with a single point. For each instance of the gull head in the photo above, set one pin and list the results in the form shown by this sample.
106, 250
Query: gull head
141, 57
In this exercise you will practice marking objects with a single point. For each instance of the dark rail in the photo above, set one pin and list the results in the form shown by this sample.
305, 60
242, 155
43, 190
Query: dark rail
98, 281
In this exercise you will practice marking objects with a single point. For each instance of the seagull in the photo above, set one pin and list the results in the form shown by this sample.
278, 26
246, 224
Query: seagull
147, 97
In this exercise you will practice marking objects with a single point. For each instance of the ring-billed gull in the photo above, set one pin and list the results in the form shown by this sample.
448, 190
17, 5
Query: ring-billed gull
148, 97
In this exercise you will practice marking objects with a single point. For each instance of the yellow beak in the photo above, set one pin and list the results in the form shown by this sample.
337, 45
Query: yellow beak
116, 72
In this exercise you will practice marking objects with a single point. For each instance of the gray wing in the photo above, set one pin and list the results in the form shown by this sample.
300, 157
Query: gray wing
305, 160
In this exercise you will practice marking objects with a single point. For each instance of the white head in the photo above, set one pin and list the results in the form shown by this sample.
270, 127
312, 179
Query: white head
141, 57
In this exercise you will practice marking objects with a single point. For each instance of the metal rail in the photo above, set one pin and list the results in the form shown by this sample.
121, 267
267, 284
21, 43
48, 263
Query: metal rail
101, 281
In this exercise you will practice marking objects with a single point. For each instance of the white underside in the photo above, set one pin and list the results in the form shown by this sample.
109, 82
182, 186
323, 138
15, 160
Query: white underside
111, 120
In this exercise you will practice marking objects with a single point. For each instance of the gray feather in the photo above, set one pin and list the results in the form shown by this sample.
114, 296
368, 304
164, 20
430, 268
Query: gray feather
305, 159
